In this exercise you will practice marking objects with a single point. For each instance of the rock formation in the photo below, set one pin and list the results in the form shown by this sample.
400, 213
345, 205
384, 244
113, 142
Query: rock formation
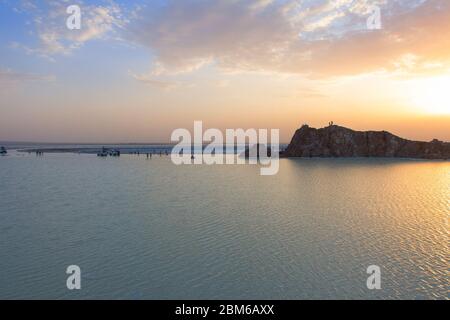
336, 141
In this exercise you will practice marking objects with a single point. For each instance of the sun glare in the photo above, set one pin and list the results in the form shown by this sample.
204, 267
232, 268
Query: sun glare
432, 95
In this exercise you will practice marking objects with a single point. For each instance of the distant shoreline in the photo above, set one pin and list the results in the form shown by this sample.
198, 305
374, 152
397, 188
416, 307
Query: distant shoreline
94, 150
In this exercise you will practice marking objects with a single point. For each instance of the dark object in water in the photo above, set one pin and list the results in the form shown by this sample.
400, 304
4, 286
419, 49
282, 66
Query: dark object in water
3, 151
106, 152
250, 152
114, 153
103, 153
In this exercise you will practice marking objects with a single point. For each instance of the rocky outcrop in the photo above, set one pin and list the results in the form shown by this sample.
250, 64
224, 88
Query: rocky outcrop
336, 141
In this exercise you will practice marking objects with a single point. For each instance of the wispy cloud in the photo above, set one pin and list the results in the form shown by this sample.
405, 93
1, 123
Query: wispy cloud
155, 83
10, 80
8, 77
310, 93
54, 38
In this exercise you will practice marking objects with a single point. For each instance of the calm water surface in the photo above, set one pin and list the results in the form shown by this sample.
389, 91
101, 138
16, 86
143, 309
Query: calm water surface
146, 229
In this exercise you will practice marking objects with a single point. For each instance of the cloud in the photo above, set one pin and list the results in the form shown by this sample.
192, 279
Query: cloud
10, 78
315, 38
185, 35
323, 22
54, 38
402, 40
155, 83
224, 83
310, 93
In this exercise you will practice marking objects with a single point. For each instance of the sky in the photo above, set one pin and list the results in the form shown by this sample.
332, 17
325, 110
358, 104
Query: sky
137, 70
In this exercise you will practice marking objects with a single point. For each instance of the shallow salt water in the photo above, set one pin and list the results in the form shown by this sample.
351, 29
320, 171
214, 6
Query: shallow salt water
147, 229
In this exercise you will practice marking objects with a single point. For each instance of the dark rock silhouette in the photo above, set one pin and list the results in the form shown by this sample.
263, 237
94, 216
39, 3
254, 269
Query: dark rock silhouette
336, 141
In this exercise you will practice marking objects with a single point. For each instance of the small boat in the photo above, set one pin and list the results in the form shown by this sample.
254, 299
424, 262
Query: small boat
3, 151
114, 153
103, 153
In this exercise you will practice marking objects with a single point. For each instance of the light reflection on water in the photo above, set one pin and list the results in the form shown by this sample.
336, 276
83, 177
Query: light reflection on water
149, 229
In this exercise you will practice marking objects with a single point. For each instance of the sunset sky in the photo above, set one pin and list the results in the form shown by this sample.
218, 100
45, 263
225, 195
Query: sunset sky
137, 70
